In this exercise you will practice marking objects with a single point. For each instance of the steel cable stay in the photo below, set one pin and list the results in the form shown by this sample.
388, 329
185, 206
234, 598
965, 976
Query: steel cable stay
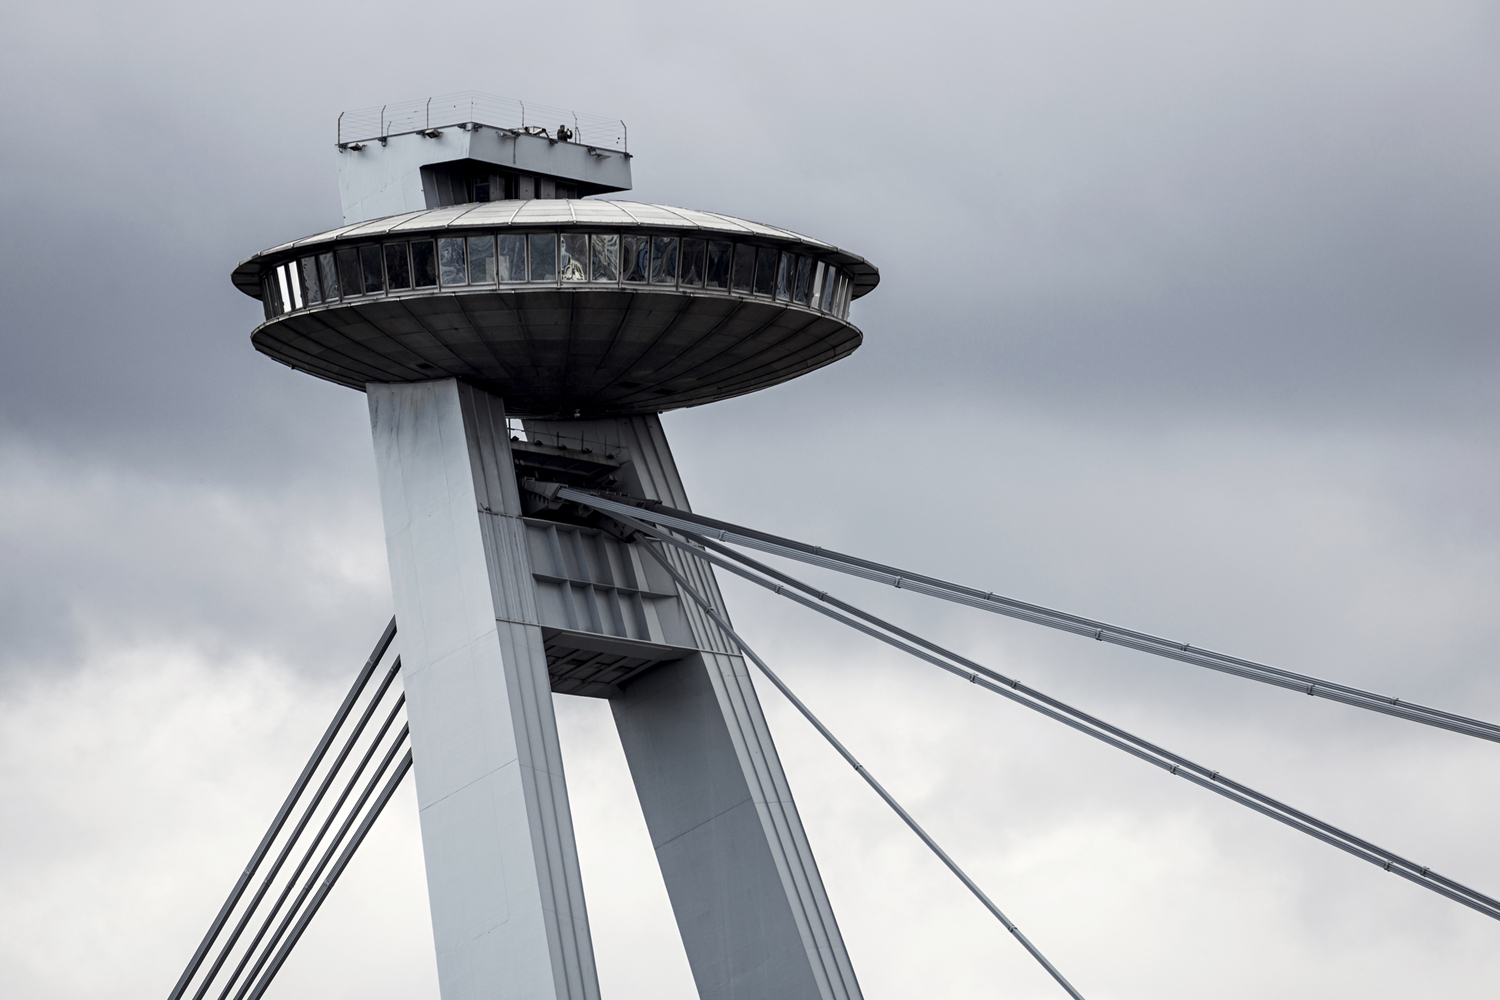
362, 679
991, 680
301, 825
255, 988
869, 778
724, 531
292, 836
333, 813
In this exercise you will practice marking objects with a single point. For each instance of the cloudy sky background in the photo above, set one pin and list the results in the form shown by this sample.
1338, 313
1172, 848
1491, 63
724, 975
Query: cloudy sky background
1186, 322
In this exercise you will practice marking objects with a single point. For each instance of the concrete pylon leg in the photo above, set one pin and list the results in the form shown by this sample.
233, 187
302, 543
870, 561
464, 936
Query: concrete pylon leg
508, 914
745, 889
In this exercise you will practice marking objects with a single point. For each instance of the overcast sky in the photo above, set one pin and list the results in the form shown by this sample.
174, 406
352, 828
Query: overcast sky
1186, 321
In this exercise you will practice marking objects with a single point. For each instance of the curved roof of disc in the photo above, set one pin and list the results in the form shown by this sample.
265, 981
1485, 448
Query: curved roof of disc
582, 213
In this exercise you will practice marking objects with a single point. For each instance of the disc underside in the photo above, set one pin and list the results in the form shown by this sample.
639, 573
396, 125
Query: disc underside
557, 352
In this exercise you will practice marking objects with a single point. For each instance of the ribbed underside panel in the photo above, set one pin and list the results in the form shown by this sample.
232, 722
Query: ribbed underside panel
553, 352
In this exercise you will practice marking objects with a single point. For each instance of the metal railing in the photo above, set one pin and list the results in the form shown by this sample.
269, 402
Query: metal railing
475, 108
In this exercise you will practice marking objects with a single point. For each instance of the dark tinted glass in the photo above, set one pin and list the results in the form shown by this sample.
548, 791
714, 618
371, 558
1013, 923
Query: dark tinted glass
692, 262
634, 252
350, 281
423, 264
786, 273
273, 296
481, 260
451, 267
663, 260
802, 290
312, 288
765, 270
543, 256
330, 277
830, 279
510, 259
744, 267
397, 266
369, 265
719, 255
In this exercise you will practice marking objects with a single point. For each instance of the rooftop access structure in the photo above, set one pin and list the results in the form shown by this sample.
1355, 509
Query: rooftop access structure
517, 341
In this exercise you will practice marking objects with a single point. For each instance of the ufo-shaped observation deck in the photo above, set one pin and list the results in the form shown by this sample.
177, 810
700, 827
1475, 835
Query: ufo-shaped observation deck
561, 307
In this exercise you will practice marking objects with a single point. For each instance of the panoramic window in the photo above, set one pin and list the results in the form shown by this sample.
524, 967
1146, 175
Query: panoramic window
451, 267
765, 270
312, 287
686, 262
719, 254
510, 257
481, 260
663, 260
692, 262
397, 267
350, 281
744, 267
543, 256
635, 253
371, 272
604, 253
424, 270
330, 277
574, 263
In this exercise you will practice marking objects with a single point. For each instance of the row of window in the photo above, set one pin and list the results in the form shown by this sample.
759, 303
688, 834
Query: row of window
351, 273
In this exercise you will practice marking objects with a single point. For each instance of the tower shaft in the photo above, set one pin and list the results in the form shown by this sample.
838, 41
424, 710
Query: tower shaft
497, 610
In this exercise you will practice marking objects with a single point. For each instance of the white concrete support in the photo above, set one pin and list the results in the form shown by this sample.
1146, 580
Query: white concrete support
749, 902
508, 913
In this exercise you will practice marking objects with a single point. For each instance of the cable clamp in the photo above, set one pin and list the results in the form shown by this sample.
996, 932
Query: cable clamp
1174, 768
1214, 776
1310, 690
1186, 647
1388, 865
897, 584
1099, 634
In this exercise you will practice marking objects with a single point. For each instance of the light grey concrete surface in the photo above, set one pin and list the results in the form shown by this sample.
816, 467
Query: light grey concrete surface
384, 179
749, 901
507, 899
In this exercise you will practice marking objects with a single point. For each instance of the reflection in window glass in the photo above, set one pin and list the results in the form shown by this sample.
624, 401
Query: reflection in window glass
841, 297
307, 277
765, 270
634, 251
574, 264
663, 260
719, 254
397, 267
424, 271
786, 273
451, 267
802, 289
543, 256
272, 296
330, 277
744, 267
692, 262
481, 260
369, 265
510, 260
350, 281
604, 252
829, 281
817, 286
293, 285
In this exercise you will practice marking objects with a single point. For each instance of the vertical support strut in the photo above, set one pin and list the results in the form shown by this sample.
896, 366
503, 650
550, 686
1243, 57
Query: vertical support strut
749, 901
508, 912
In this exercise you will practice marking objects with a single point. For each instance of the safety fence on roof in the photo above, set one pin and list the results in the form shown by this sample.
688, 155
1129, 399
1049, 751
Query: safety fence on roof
473, 107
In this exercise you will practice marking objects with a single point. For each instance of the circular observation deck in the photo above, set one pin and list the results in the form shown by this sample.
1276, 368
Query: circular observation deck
562, 308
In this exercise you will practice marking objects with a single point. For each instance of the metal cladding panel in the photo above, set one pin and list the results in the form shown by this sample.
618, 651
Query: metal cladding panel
556, 351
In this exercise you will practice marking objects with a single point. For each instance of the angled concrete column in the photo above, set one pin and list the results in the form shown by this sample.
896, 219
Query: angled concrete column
502, 869
749, 902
